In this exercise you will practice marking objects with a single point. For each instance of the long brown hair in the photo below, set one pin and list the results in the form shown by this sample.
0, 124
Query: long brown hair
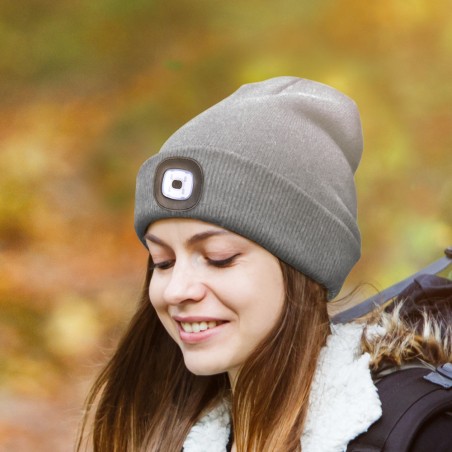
146, 399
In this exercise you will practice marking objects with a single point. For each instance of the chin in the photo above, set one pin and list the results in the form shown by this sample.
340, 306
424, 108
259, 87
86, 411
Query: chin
202, 369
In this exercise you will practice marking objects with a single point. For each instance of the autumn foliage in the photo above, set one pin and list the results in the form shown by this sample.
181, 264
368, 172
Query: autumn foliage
90, 89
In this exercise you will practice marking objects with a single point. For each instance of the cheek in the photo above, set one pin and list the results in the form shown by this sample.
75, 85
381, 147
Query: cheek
156, 295
269, 305
258, 301
268, 300
152, 293
155, 289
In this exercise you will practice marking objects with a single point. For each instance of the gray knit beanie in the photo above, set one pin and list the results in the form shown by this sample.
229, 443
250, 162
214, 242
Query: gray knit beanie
273, 162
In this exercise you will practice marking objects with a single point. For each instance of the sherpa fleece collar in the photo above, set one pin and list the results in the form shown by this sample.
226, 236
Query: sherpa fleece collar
343, 402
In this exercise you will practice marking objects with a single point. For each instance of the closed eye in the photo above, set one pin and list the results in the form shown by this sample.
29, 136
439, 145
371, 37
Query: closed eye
164, 265
223, 262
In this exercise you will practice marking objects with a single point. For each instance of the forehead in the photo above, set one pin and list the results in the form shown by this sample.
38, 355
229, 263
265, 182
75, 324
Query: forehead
183, 225
190, 232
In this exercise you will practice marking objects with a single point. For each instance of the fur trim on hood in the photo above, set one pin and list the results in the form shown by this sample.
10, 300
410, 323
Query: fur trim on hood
343, 401
394, 339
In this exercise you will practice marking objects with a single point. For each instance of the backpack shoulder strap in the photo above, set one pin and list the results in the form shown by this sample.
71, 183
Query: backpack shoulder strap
408, 401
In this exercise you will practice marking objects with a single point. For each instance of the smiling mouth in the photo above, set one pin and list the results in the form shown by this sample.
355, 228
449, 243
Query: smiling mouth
196, 327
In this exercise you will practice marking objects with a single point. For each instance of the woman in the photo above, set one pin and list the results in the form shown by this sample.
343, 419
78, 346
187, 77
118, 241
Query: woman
249, 215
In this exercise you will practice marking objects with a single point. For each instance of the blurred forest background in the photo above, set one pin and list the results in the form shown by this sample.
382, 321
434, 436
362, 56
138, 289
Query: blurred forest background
90, 89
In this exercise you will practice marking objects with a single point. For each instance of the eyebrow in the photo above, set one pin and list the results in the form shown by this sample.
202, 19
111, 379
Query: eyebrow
191, 241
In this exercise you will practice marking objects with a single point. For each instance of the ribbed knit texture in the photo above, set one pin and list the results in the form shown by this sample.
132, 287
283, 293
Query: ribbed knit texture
278, 159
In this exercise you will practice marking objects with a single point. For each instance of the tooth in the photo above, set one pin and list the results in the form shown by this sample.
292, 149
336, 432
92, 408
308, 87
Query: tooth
196, 327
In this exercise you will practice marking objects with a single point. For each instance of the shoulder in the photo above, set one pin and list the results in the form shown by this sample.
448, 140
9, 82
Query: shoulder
211, 432
344, 401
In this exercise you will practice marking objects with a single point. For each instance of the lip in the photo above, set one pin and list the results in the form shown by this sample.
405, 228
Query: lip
201, 336
191, 319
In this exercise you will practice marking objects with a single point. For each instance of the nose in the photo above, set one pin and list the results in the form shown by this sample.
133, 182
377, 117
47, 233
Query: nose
184, 285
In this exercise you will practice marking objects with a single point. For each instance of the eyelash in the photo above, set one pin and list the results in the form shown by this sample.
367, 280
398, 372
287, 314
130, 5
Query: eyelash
223, 263
165, 265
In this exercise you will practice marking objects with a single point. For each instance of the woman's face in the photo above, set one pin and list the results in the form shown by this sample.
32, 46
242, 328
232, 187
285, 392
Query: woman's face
216, 293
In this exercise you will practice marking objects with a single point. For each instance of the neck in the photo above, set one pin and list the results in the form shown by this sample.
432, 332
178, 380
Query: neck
233, 375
